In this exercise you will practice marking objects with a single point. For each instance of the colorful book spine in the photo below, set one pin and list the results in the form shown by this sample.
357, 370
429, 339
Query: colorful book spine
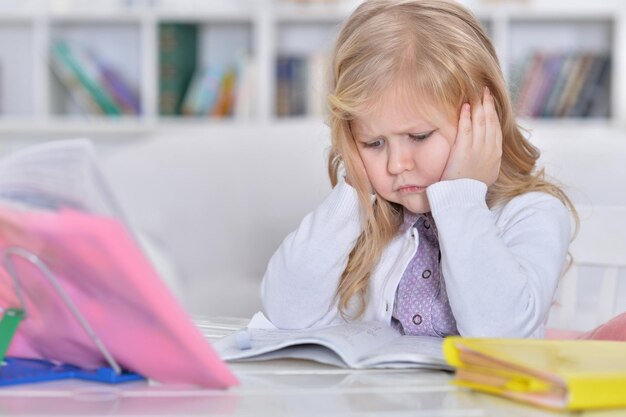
245, 91
79, 97
551, 68
564, 85
593, 85
573, 85
549, 106
178, 45
119, 89
192, 95
225, 100
527, 87
301, 84
210, 90
86, 75
283, 82
222, 91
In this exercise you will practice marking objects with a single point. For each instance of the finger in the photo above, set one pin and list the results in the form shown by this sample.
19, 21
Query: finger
464, 131
462, 140
478, 121
493, 132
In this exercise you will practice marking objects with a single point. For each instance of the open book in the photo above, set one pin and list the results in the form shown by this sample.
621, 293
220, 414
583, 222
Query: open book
556, 374
91, 296
351, 345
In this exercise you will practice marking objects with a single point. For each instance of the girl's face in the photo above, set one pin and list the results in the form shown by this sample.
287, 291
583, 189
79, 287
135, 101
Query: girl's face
402, 150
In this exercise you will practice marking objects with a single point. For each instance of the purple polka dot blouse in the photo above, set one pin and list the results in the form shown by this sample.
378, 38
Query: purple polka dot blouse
421, 305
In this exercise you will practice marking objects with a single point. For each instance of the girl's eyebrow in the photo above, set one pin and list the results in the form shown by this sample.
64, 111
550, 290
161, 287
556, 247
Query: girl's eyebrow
422, 126
417, 128
366, 137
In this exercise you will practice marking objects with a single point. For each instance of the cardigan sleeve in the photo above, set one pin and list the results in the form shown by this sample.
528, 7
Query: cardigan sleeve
301, 279
501, 267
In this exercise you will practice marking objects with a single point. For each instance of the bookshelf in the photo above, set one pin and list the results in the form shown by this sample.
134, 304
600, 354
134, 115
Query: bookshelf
259, 41
17, 97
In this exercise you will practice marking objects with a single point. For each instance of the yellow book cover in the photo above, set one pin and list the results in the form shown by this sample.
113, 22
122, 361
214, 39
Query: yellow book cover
555, 374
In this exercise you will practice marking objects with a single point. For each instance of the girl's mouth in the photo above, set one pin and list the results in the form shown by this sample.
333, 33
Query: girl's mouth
410, 189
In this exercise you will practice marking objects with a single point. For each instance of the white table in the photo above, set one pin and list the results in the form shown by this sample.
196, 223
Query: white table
274, 389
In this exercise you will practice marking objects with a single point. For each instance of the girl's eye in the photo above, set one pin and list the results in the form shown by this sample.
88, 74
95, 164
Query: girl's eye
373, 144
421, 136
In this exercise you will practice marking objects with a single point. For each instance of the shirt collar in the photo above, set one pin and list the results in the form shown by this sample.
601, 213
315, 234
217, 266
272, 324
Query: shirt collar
410, 219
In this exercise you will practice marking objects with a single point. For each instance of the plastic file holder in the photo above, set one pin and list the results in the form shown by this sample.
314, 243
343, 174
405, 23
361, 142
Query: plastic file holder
22, 370
56, 204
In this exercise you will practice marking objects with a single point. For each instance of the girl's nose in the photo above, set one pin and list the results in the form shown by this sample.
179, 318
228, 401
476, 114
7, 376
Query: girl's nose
398, 159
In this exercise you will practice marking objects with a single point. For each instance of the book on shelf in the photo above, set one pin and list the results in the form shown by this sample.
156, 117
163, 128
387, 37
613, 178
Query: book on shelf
301, 84
563, 85
555, 89
121, 91
203, 90
283, 86
551, 69
225, 101
245, 92
593, 99
92, 83
79, 96
222, 91
298, 85
178, 50
555, 374
76, 70
577, 77
529, 75
350, 345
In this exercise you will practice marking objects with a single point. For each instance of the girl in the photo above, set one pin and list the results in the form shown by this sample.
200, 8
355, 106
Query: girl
439, 221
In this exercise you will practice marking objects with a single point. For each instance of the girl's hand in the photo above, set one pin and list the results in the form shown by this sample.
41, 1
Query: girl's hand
477, 149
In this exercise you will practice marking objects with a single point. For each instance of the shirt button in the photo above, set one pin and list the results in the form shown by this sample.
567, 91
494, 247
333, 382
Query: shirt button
426, 224
426, 274
417, 319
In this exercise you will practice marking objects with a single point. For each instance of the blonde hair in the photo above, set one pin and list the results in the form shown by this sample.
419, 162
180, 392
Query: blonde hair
438, 49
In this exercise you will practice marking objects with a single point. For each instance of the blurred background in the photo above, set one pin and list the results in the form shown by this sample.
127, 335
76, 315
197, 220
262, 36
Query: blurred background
208, 115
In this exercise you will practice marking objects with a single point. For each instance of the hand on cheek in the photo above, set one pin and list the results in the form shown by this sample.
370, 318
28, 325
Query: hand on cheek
477, 149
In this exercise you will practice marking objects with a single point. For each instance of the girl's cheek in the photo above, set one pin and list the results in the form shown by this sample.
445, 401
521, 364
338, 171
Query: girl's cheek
450, 134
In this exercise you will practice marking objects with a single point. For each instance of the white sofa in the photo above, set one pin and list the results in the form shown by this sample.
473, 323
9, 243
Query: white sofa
219, 200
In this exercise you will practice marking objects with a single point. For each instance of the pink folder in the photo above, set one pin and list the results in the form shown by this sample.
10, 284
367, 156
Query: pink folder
102, 269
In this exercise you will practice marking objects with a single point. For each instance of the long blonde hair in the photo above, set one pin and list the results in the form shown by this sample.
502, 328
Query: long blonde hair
439, 50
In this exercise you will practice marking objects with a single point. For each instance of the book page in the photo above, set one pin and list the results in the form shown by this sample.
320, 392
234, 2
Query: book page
348, 341
355, 345
406, 352
311, 352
